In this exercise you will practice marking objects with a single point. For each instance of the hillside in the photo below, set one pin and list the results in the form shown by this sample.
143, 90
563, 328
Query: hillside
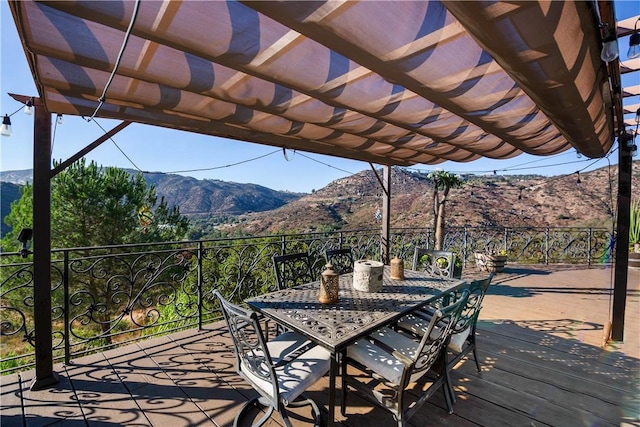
226, 208
197, 197
509, 200
8, 193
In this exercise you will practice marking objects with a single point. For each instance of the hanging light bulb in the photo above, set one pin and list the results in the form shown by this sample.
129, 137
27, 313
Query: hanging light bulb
5, 130
610, 48
626, 139
60, 119
634, 43
578, 182
578, 154
28, 108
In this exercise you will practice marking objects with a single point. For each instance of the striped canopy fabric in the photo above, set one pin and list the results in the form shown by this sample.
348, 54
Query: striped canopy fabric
389, 82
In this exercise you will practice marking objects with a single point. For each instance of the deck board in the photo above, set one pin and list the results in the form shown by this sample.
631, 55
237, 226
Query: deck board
540, 343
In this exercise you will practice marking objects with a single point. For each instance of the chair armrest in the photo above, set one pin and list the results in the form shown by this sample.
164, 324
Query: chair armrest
388, 349
290, 357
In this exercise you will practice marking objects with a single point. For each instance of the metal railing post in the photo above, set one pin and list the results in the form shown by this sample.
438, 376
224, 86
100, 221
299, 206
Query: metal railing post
65, 290
504, 239
546, 245
200, 283
464, 246
589, 246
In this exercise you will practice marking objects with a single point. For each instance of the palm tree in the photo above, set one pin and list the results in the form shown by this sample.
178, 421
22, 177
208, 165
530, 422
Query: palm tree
443, 183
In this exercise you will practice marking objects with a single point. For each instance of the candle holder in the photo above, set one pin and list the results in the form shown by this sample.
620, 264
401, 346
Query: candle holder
397, 269
329, 284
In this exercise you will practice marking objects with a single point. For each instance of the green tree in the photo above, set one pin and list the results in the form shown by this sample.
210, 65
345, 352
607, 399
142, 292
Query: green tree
443, 183
95, 206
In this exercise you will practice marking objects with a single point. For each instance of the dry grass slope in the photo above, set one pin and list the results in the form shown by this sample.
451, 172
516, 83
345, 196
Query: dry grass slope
511, 200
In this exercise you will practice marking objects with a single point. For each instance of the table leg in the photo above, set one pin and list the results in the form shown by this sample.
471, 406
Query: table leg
332, 390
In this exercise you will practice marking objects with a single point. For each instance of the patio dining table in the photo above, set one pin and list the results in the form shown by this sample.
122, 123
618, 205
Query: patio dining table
357, 314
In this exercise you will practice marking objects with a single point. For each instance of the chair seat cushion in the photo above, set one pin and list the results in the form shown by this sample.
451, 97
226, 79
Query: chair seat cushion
378, 360
456, 344
296, 375
418, 325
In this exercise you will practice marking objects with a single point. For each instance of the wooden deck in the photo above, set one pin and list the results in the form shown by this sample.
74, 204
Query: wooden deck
540, 344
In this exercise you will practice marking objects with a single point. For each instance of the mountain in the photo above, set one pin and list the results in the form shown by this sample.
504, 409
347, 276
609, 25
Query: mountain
8, 193
493, 200
226, 208
20, 177
196, 197
215, 197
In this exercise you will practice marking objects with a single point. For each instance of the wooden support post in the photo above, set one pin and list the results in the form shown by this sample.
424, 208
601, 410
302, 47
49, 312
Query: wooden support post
622, 239
386, 209
45, 377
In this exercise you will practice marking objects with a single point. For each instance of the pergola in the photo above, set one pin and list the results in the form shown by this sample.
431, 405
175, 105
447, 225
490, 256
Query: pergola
387, 82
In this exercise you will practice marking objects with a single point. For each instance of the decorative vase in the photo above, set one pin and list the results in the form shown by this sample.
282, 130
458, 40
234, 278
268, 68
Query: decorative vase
367, 275
397, 269
329, 285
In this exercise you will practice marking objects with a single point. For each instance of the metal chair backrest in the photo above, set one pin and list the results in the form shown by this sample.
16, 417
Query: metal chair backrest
252, 355
340, 259
292, 270
436, 263
471, 310
434, 341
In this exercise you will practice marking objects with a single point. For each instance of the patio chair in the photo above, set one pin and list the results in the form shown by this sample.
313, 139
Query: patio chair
393, 362
340, 259
436, 263
280, 370
292, 269
463, 335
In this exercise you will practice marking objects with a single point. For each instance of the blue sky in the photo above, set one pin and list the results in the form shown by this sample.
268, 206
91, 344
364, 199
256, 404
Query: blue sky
156, 149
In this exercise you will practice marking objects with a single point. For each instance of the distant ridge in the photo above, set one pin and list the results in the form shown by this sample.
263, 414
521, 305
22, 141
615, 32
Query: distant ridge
491, 200
227, 208
194, 196
8, 193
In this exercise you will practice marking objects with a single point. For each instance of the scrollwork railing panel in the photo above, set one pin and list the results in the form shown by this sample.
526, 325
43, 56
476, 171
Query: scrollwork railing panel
115, 295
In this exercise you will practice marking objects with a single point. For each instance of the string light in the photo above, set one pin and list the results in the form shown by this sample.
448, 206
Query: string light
610, 50
578, 181
634, 43
5, 129
28, 108
60, 119
6, 126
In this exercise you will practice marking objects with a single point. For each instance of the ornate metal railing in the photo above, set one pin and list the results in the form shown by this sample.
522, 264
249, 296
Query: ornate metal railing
103, 297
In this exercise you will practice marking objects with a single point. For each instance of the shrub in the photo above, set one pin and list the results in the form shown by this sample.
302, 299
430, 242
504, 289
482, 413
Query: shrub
634, 223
